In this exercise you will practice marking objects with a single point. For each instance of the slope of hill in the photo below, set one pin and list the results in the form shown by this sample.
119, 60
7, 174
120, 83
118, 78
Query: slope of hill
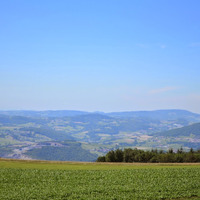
68, 150
10, 120
52, 150
193, 130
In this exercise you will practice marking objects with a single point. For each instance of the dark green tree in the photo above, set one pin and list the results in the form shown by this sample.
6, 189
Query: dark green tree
101, 159
180, 150
110, 156
128, 155
191, 150
170, 150
119, 155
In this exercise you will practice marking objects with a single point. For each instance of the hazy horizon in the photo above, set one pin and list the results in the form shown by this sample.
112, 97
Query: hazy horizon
97, 111
108, 56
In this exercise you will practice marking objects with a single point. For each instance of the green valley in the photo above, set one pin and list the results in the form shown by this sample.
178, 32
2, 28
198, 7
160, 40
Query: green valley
34, 134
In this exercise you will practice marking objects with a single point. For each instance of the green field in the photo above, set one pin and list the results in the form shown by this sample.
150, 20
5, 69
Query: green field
28, 180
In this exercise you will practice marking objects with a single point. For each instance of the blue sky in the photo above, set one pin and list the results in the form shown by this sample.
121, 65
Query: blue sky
108, 55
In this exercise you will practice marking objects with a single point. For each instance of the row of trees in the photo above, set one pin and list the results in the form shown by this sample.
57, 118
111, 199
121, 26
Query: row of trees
153, 156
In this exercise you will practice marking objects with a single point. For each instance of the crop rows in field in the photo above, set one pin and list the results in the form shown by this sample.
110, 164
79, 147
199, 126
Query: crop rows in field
150, 184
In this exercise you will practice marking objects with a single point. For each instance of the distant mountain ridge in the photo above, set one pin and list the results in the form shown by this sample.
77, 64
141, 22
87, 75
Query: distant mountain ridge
169, 114
47, 113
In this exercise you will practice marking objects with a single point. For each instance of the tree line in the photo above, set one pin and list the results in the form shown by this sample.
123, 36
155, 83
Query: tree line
152, 156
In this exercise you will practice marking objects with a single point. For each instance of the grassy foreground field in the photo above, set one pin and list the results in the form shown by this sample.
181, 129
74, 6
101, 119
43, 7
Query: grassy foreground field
28, 180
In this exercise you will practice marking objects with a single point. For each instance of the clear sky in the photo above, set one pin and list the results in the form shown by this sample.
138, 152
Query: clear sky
100, 55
